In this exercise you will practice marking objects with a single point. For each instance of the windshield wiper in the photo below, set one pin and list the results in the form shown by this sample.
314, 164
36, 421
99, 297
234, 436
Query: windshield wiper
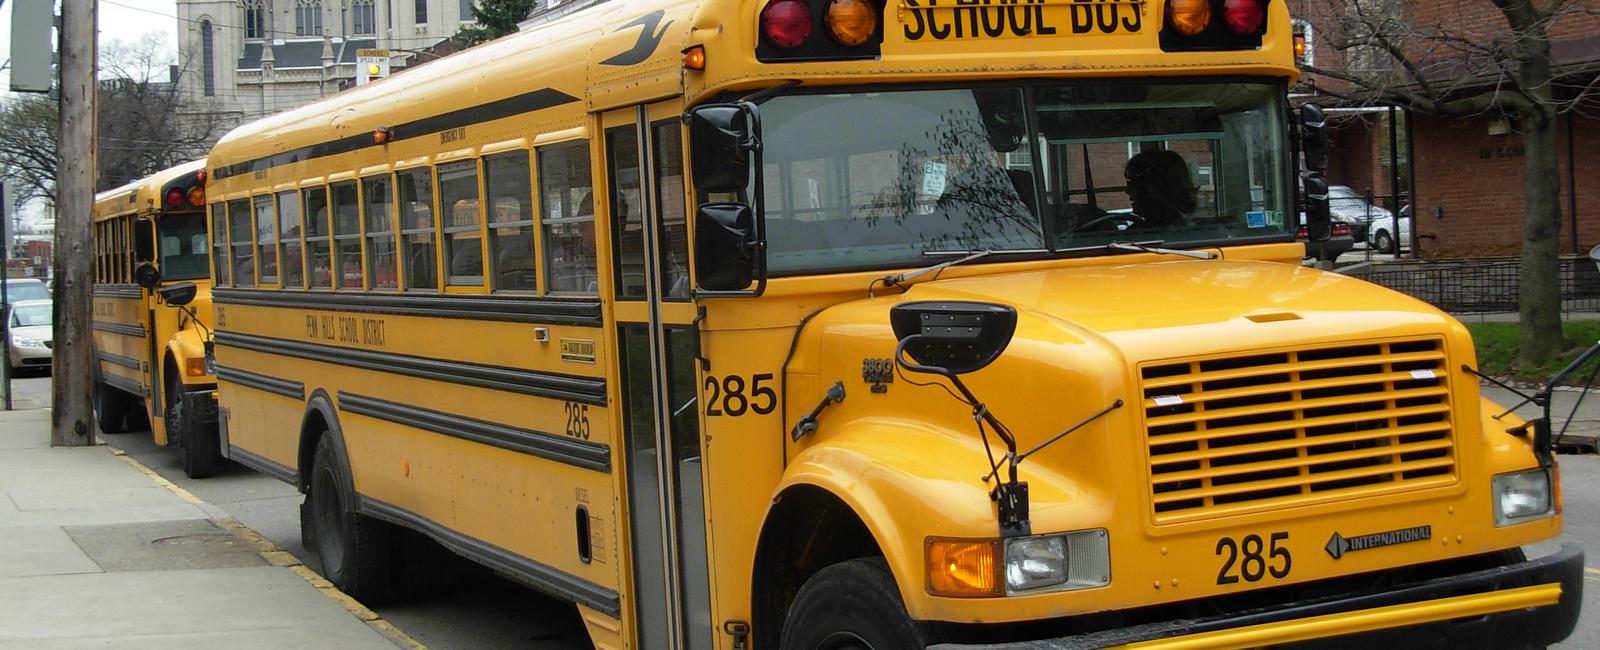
1141, 248
902, 278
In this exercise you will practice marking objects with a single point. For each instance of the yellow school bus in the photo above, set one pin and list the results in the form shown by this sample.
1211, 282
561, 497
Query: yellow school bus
152, 309
839, 323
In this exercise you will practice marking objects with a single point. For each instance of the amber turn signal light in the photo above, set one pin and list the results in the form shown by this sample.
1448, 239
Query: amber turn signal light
1189, 17
963, 568
851, 22
194, 367
197, 196
382, 135
694, 58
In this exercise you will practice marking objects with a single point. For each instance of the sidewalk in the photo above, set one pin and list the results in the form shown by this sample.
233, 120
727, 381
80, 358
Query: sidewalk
1583, 431
96, 551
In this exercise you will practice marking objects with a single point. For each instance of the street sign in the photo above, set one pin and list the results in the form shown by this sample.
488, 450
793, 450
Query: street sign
371, 65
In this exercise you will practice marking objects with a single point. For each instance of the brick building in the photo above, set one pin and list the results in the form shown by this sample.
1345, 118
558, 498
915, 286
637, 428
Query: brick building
1466, 172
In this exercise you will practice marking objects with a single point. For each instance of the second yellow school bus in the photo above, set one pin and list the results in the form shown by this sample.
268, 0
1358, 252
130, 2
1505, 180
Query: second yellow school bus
153, 360
838, 324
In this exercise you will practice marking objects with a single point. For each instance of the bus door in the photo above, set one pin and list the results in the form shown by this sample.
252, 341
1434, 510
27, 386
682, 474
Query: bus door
643, 157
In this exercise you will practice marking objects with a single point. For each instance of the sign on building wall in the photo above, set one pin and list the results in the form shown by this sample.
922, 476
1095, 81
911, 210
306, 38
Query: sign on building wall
371, 65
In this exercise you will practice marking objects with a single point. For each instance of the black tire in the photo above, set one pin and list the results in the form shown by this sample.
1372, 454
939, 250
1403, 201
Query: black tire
852, 605
201, 450
1385, 242
357, 551
111, 409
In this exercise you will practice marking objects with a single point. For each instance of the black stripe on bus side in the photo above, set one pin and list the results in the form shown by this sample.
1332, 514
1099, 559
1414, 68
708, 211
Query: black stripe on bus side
537, 100
117, 359
561, 449
263, 465
588, 390
534, 574
274, 385
118, 291
123, 383
497, 308
118, 328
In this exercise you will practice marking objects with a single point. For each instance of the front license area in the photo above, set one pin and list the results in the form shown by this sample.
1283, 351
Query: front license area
942, 20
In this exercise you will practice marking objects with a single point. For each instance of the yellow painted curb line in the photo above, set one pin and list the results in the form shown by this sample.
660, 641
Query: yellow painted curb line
276, 556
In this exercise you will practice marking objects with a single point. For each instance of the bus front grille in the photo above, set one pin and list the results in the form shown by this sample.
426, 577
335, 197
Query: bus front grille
1242, 434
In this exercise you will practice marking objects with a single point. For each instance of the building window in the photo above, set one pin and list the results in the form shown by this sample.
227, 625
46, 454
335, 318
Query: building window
466, 10
422, 12
308, 18
208, 76
255, 19
364, 17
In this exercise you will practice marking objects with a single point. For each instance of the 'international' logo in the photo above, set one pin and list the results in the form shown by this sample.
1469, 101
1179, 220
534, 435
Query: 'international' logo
1338, 545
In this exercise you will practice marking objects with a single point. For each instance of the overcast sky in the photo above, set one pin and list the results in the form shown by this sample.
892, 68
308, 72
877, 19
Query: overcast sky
124, 20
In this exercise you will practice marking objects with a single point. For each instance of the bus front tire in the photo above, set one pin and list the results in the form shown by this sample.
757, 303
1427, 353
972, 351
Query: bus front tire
110, 409
849, 605
356, 550
201, 452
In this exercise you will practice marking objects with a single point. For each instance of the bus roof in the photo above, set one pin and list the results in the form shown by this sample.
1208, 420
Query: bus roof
141, 194
614, 54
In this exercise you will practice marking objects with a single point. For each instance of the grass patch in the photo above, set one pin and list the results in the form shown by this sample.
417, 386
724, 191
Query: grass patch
1497, 349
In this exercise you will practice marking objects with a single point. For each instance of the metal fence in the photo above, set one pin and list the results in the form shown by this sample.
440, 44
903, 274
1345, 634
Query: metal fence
1481, 284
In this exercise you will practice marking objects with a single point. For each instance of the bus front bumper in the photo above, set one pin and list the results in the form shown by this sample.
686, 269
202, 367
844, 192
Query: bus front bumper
1524, 605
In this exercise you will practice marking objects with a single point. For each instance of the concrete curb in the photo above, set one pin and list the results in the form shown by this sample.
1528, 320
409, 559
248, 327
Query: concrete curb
276, 556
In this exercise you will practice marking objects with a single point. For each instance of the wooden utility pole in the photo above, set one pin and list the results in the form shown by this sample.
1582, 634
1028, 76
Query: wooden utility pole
72, 420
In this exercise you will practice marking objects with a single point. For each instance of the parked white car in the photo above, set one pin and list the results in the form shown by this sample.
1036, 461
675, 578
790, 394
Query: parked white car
29, 346
1391, 234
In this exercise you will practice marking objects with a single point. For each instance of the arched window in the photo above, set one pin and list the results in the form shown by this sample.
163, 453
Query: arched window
363, 17
308, 17
255, 19
208, 76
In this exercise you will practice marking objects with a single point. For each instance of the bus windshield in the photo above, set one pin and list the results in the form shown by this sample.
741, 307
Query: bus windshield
184, 255
877, 179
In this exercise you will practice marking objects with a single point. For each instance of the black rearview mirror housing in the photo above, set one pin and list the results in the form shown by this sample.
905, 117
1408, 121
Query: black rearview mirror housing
1314, 137
725, 246
953, 337
179, 294
720, 138
147, 275
1319, 223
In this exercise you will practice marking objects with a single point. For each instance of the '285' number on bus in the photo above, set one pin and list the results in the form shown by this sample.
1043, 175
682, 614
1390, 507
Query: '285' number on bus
726, 395
1249, 558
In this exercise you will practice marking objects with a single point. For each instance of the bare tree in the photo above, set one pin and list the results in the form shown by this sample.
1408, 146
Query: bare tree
1477, 57
139, 129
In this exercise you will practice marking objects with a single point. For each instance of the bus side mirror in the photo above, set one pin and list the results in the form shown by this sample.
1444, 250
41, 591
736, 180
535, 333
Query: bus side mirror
1314, 137
179, 294
1319, 223
721, 140
147, 275
725, 246
951, 338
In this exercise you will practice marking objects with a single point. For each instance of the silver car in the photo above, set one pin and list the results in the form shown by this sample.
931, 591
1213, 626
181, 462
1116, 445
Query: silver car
30, 343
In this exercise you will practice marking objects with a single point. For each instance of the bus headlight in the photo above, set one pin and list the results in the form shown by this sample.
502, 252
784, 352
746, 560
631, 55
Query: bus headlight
1522, 496
1077, 560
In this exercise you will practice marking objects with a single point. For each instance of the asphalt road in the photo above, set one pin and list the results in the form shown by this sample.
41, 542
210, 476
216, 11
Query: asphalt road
472, 608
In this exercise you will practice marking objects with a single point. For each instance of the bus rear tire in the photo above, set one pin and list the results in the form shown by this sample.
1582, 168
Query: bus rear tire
849, 605
201, 450
111, 409
357, 551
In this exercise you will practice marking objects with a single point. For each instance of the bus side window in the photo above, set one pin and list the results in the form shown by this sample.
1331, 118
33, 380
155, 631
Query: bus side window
463, 239
320, 272
506, 181
266, 249
417, 229
376, 198
219, 244
244, 264
290, 255
346, 235
566, 203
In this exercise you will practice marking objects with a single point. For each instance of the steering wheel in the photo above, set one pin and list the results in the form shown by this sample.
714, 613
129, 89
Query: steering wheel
1129, 218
